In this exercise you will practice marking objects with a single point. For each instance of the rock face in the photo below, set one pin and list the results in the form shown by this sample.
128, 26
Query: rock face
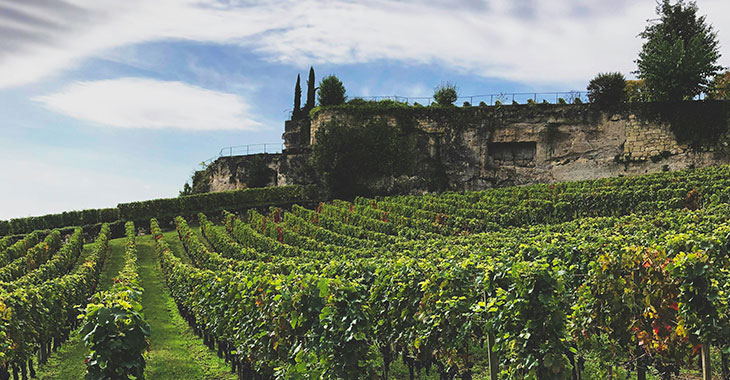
479, 147
239, 172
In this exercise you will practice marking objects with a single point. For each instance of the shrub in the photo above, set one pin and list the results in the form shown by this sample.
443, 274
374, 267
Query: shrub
445, 94
331, 92
482, 104
577, 101
562, 101
466, 104
357, 102
607, 90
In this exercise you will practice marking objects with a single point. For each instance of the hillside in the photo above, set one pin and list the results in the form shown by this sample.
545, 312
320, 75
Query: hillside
617, 277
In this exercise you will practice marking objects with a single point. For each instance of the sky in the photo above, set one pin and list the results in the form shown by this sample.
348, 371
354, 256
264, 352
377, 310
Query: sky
107, 101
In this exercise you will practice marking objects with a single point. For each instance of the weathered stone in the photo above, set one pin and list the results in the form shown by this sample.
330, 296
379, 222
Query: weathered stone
491, 146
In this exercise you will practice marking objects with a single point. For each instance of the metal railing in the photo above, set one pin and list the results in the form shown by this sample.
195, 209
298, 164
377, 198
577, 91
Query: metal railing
491, 99
243, 150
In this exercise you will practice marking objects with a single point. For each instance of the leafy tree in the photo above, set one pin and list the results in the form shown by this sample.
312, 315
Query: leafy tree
445, 94
311, 91
680, 53
331, 92
297, 98
187, 190
607, 90
720, 89
636, 91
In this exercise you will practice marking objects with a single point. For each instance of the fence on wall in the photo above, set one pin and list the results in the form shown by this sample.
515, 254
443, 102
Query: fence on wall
491, 99
243, 150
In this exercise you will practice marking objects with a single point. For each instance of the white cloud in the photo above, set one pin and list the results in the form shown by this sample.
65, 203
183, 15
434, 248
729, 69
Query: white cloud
524, 40
147, 103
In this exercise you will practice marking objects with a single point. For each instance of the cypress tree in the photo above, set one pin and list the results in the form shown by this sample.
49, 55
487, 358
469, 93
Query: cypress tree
311, 91
297, 99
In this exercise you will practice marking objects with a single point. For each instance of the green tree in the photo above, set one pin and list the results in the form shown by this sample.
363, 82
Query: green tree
636, 91
445, 94
607, 90
187, 190
331, 92
297, 99
311, 92
720, 89
680, 53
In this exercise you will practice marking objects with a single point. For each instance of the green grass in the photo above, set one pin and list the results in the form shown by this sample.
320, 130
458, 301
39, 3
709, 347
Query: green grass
175, 351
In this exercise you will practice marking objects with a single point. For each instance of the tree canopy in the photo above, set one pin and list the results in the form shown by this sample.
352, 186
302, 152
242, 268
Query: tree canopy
331, 92
679, 57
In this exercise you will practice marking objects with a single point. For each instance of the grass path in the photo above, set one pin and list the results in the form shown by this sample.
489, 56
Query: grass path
175, 351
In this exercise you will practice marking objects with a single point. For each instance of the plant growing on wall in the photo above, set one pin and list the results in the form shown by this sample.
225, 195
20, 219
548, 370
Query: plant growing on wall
680, 54
607, 90
351, 158
331, 92
445, 94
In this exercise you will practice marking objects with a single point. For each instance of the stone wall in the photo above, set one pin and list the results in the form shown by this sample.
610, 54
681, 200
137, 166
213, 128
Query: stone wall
645, 140
479, 147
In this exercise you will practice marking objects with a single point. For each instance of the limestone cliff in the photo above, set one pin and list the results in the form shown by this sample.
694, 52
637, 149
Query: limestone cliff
479, 147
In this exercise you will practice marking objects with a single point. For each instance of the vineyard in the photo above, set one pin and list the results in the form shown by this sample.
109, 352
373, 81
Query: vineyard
614, 278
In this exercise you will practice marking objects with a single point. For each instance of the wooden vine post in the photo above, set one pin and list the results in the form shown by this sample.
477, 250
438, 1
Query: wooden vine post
493, 366
640, 365
706, 365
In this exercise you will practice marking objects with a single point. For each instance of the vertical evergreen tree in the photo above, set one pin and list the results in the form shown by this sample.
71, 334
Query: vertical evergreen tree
311, 91
297, 99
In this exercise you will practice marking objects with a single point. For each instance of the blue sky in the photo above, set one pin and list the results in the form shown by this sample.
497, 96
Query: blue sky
104, 101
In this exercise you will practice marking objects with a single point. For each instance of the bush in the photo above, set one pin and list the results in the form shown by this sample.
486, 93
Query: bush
211, 202
331, 92
562, 101
607, 90
445, 94
357, 102
466, 104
